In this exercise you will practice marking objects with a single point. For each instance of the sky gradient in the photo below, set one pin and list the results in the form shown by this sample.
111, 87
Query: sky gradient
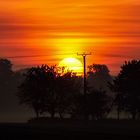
51, 30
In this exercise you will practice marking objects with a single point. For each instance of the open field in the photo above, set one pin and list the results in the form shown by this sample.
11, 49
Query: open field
70, 130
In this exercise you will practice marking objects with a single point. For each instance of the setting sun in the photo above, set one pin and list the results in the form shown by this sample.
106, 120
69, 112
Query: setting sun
72, 64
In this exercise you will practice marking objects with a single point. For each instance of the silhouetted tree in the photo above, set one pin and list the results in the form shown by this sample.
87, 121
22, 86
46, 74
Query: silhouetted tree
7, 86
77, 106
33, 90
118, 99
76, 100
99, 69
64, 87
98, 104
98, 77
6, 72
59, 87
51, 98
47, 91
68, 89
127, 86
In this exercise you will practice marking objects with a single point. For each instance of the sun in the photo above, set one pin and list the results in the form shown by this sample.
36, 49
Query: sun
72, 64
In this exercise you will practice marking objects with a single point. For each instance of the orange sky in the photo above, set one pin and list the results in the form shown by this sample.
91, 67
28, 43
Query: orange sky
57, 29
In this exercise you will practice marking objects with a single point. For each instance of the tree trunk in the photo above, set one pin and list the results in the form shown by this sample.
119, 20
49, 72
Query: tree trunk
118, 113
61, 116
134, 115
37, 113
52, 114
36, 109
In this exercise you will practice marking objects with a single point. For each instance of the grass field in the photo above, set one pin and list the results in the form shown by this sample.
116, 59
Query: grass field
109, 129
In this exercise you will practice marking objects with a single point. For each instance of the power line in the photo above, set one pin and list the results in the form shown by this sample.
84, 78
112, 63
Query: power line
26, 56
36, 55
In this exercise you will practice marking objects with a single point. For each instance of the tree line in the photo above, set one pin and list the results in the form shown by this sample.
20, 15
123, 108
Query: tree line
49, 92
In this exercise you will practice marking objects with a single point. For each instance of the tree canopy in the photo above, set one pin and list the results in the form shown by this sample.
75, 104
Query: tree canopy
126, 84
47, 91
98, 77
33, 89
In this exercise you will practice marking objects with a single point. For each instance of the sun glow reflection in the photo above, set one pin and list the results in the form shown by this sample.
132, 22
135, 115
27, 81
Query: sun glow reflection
69, 44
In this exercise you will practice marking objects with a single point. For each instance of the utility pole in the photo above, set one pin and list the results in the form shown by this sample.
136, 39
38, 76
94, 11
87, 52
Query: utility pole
84, 62
85, 85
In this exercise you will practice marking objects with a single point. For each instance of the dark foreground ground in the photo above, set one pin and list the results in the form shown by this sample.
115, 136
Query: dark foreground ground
111, 130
